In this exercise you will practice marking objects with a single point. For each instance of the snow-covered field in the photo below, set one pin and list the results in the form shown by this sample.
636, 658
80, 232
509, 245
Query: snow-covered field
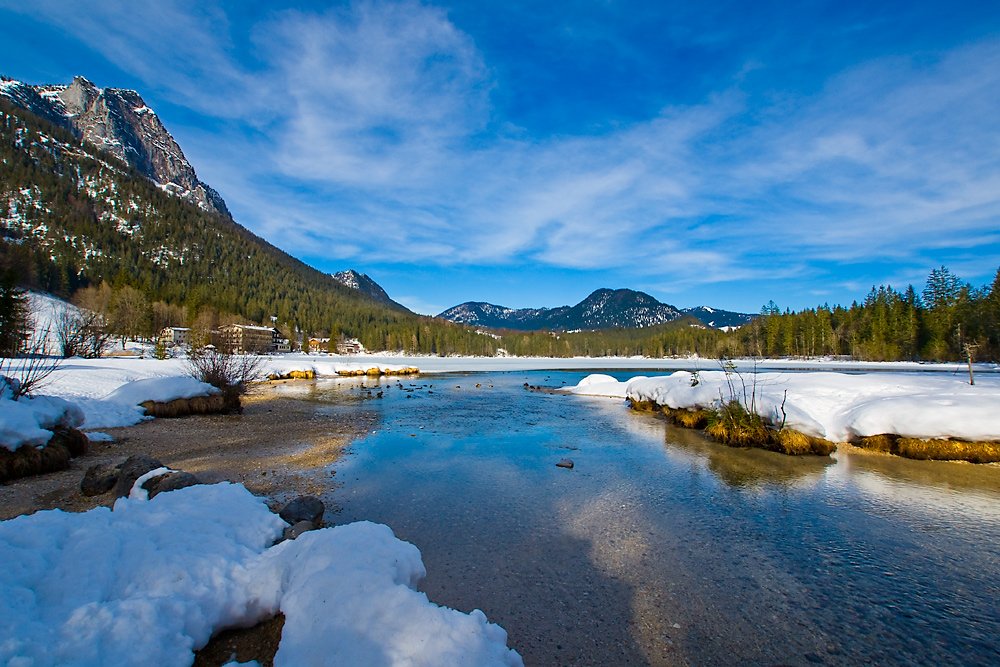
150, 581
835, 406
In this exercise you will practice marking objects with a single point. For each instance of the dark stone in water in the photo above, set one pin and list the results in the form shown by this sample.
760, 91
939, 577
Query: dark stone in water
565, 463
303, 508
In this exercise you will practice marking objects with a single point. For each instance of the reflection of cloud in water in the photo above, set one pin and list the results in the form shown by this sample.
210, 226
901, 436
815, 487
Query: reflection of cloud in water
734, 466
960, 494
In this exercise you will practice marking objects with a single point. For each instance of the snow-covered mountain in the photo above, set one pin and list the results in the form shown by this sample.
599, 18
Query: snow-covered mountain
719, 319
119, 122
604, 309
365, 285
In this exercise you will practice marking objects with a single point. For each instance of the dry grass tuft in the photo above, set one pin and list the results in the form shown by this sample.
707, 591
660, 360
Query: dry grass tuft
199, 405
697, 419
734, 425
948, 450
26, 461
645, 406
797, 443
884, 442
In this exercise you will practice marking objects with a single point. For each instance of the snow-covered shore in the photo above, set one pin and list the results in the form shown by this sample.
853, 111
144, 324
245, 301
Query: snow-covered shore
150, 581
91, 383
840, 407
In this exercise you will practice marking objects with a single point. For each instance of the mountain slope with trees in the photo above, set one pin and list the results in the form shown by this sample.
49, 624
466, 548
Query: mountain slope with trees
73, 216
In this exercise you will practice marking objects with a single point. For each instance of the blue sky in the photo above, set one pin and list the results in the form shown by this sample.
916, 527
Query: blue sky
526, 154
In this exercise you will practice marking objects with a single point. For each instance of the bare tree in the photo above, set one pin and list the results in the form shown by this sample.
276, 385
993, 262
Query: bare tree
82, 333
131, 313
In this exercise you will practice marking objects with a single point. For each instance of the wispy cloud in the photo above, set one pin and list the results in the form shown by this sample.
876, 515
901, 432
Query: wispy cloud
368, 131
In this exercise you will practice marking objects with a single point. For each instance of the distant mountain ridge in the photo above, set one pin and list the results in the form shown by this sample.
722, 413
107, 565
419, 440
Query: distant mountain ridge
719, 319
118, 121
362, 283
602, 309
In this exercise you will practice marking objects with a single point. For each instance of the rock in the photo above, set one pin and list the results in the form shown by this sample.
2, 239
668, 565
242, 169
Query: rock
303, 508
565, 463
170, 481
132, 469
292, 532
99, 479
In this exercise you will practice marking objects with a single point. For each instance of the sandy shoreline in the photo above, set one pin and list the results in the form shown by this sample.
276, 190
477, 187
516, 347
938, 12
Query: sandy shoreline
240, 448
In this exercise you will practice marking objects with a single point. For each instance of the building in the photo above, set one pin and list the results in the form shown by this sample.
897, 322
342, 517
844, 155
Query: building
246, 339
350, 346
175, 337
318, 344
279, 343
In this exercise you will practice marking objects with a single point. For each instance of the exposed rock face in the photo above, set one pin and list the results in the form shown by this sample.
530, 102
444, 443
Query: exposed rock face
119, 122
362, 283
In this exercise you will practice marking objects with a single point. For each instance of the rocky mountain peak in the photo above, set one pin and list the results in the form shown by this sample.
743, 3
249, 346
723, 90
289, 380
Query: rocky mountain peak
364, 284
119, 122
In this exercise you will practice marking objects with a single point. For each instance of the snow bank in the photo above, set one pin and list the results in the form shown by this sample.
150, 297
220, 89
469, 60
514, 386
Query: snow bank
30, 421
842, 407
600, 385
161, 390
349, 598
148, 583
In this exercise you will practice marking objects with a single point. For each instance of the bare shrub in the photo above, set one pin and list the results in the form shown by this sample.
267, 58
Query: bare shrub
30, 369
82, 333
231, 373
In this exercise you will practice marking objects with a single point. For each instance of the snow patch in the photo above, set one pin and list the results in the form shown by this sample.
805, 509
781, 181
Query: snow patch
149, 583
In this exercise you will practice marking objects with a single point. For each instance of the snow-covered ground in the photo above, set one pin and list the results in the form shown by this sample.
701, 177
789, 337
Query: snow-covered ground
835, 406
150, 581
92, 383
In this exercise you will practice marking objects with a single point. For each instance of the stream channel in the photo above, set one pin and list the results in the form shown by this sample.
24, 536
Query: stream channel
661, 547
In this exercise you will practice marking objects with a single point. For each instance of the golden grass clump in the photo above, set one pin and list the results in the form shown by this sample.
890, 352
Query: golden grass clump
697, 419
788, 441
733, 424
883, 442
948, 450
198, 405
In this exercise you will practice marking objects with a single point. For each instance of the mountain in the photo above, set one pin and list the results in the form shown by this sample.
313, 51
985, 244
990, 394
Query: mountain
719, 319
364, 284
603, 309
73, 215
480, 313
118, 122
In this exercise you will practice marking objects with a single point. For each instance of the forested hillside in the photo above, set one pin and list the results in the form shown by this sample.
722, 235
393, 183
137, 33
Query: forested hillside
72, 216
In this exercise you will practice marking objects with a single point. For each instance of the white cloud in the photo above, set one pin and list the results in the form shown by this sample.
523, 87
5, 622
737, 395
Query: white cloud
367, 131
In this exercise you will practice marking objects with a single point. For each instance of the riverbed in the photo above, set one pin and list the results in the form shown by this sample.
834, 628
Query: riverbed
660, 547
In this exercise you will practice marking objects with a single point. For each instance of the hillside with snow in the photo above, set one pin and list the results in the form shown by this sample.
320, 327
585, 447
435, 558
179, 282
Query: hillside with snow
602, 309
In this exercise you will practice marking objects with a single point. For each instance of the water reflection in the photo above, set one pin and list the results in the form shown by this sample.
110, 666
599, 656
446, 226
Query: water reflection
660, 546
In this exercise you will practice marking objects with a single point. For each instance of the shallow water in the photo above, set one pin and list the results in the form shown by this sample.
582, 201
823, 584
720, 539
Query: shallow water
660, 547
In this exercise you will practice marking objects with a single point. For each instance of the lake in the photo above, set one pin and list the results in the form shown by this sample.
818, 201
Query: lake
661, 547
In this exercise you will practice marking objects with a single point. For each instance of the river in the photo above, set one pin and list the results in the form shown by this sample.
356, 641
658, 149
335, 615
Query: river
660, 547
